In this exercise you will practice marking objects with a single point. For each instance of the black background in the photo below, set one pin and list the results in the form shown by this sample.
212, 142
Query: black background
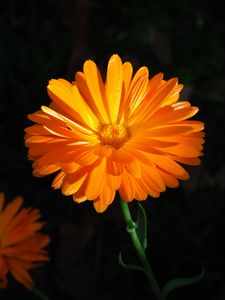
40, 40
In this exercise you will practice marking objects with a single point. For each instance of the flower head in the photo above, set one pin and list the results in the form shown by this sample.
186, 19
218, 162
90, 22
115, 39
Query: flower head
127, 133
21, 245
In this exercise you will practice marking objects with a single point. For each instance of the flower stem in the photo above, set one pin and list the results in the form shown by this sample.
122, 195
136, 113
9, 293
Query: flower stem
39, 294
131, 229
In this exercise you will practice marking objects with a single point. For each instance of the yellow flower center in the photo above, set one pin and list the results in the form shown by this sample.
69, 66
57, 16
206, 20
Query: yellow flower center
114, 135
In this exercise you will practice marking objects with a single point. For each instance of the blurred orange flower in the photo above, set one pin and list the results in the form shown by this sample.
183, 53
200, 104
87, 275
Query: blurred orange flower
128, 133
21, 245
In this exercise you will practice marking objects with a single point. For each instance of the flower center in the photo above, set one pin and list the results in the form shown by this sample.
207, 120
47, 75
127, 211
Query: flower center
114, 135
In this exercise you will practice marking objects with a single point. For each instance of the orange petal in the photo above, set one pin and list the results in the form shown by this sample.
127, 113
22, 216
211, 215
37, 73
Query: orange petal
38, 149
141, 73
126, 189
114, 80
147, 187
95, 181
58, 180
154, 82
170, 130
64, 154
18, 270
85, 158
192, 161
184, 150
114, 167
139, 90
105, 150
2, 200
36, 130
127, 76
42, 118
35, 243
72, 183
169, 180
84, 110
167, 164
196, 125
105, 199
133, 168
147, 145
41, 139
80, 130
140, 193
152, 178
71, 102
96, 87
171, 116
3, 272
69, 168
79, 200
174, 96
121, 155
46, 170
61, 132
9, 212
81, 83
144, 113
113, 181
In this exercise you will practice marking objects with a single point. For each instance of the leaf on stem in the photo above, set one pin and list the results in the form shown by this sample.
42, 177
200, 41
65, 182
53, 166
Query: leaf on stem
129, 267
142, 226
39, 294
179, 282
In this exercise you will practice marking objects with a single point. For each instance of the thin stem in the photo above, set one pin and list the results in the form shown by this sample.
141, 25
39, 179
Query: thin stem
131, 229
39, 294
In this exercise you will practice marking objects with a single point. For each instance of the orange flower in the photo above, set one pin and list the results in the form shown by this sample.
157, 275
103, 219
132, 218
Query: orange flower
21, 245
128, 133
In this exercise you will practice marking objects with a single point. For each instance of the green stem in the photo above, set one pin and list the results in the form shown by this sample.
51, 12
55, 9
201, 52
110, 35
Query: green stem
131, 229
39, 294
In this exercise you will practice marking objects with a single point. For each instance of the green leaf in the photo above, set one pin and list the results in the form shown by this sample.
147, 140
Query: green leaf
179, 282
142, 226
39, 294
129, 267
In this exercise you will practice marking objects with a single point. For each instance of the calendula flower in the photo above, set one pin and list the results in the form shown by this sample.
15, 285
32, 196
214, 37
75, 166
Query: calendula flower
127, 133
21, 244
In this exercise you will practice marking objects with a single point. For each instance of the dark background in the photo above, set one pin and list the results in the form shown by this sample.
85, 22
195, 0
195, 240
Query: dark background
40, 40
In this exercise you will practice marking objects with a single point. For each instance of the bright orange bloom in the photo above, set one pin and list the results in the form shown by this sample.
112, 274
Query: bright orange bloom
21, 245
128, 133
